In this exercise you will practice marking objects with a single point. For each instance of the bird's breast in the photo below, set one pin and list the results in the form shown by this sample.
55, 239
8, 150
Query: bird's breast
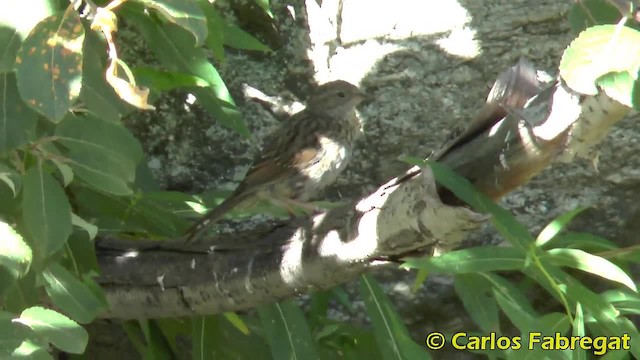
330, 160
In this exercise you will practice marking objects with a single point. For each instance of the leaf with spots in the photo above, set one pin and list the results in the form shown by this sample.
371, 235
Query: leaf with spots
17, 120
185, 13
49, 65
45, 210
17, 18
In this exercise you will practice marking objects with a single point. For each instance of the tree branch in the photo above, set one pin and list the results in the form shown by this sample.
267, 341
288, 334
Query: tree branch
409, 213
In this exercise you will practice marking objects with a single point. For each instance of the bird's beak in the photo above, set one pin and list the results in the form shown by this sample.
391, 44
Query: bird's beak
364, 97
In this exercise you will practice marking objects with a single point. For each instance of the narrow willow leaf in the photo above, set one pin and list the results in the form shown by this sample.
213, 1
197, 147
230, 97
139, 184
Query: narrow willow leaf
627, 303
392, 336
62, 332
476, 296
70, 295
578, 330
506, 224
185, 13
17, 120
518, 315
585, 241
236, 321
590, 263
557, 225
216, 338
287, 331
479, 259
52, 55
15, 254
45, 210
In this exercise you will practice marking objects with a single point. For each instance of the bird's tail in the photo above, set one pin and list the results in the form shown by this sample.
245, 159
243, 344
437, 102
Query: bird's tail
214, 215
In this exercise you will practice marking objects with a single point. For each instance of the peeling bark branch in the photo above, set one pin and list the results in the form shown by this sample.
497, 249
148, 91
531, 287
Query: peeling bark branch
408, 213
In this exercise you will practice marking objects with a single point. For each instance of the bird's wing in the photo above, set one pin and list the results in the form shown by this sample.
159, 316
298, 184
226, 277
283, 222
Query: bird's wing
285, 148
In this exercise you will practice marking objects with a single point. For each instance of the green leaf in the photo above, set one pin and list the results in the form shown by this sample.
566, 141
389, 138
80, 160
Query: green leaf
287, 332
17, 120
84, 132
82, 254
49, 65
166, 80
578, 330
65, 171
11, 335
588, 13
475, 293
46, 211
135, 213
479, 259
97, 96
102, 153
10, 178
590, 263
214, 337
15, 254
175, 49
264, 4
626, 303
421, 277
584, 241
215, 39
557, 225
391, 334
185, 13
32, 349
239, 39
619, 86
71, 295
518, 315
91, 229
237, 322
598, 51
58, 329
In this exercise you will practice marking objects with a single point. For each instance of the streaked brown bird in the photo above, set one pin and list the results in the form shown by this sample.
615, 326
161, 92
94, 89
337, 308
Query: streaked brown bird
304, 155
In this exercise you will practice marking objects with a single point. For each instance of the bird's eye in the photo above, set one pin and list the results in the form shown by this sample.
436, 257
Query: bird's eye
341, 94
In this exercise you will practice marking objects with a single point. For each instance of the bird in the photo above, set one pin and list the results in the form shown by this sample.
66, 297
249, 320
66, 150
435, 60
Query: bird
304, 155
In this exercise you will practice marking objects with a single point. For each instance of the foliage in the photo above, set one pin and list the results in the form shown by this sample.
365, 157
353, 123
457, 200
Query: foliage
70, 170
